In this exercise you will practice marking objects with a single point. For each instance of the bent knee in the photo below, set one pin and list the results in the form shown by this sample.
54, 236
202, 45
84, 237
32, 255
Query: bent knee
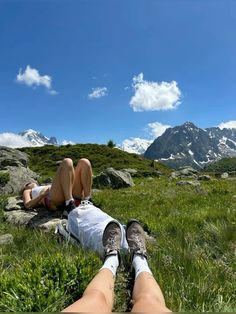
67, 162
84, 162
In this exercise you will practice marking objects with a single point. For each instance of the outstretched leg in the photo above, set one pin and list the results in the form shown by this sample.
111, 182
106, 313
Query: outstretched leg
82, 185
99, 295
147, 295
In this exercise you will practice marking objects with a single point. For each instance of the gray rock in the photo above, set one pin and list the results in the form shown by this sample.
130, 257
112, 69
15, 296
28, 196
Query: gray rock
174, 174
15, 163
14, 203
225, 175
187, 171
18, 177
204, 177
193, 183
184, 173
12, 157
38, 218
131, 171
6, 238
111, 178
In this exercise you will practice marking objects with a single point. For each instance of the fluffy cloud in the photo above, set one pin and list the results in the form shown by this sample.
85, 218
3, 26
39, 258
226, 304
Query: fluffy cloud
65, 142
98, 92
13, 140
152, 96
32, 78
227, 125
156, 129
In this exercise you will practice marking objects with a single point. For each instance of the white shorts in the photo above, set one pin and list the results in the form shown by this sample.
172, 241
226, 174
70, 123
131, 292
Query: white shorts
87, 223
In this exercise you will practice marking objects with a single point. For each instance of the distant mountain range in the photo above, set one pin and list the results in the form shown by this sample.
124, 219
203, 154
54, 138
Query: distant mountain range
189, 145
178, 146
37, 139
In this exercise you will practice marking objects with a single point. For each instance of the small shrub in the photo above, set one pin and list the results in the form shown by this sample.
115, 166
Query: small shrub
4, 177
46, 283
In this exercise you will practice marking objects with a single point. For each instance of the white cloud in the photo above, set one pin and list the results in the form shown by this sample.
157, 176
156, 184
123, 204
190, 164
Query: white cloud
65, 142
32, 78
156, 129
227, 125
13, 140
98, 92
152, 96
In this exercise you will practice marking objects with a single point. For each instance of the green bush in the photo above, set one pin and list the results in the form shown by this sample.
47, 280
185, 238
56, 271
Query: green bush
4, 177
46, 284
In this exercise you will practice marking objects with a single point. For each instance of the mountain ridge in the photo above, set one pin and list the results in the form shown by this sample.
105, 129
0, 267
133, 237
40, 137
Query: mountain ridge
189, 145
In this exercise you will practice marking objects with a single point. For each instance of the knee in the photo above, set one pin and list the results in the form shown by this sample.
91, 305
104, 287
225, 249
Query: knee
149, 298
84, 162
98, 298
67, 163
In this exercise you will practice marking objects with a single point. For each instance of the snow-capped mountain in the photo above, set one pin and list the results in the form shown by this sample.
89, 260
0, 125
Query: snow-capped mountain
189, 145
37, 138
135, 145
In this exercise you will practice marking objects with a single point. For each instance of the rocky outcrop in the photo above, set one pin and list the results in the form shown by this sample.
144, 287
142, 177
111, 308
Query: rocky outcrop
111, 178
184, 172
16, 214
14, 165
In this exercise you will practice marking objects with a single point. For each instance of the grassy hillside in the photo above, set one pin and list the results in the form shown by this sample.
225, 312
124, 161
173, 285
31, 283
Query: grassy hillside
43, 159
191, 254
222, 165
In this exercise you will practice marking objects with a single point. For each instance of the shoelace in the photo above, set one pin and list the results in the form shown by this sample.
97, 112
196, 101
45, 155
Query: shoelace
137, 243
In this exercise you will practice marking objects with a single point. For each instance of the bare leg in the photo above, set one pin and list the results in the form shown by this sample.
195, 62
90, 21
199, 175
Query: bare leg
83, 179
61, 188
147, 295
98, 296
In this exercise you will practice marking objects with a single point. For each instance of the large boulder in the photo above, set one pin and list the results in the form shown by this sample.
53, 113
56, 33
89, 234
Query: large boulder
111, 178
14, 170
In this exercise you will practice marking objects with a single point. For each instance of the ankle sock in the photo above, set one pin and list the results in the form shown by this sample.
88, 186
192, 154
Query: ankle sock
68, 201
87, 198
140, 265
111, 263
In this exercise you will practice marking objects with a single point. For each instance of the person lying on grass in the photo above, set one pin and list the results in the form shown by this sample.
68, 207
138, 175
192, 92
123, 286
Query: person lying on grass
68, 188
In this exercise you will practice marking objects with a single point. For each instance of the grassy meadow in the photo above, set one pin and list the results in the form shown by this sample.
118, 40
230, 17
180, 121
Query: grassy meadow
192, 250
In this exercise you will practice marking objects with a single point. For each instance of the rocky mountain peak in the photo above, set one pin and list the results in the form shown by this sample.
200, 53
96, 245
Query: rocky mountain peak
37, 138
189, 145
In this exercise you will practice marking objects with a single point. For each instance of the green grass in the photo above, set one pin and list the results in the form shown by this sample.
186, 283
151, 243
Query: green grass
43, 159
192, 255
222, 165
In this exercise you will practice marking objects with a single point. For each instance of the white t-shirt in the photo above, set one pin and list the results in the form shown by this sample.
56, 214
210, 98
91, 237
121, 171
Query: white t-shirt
35, 192
87, 223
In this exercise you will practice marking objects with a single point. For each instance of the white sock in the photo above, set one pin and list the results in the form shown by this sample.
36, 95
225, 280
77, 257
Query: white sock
111, 263
68, 201
140, 265
87, 198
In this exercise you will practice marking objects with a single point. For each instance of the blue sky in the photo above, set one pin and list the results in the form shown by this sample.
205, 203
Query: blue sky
94, 70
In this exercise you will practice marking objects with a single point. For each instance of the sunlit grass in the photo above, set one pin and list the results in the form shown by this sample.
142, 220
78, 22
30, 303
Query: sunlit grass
191, 254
